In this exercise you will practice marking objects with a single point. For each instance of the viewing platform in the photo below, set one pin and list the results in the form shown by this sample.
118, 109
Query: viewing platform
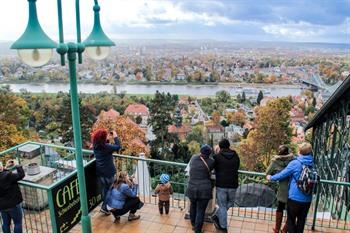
51, 202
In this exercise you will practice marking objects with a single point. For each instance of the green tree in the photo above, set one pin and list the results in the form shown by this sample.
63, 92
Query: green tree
87, 119
223, 96
260, 97
161, 108
196, 134
243, 97
194, 147
239, 98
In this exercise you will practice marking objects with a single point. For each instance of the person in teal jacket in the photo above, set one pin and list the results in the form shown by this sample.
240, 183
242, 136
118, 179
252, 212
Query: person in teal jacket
298, 203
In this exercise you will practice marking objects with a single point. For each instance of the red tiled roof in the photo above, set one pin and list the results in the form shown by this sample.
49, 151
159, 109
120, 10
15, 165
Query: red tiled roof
111, 114
137, 109
182, 129
215, 128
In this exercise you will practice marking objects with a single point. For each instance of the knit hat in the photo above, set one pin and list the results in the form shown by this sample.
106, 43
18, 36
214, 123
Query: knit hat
205, 149
164, 178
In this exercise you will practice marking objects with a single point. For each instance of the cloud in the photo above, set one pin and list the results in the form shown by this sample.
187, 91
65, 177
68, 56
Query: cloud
321, 20
294, 30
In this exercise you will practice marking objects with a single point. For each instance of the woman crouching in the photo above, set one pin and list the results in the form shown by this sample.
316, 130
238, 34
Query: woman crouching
122, 197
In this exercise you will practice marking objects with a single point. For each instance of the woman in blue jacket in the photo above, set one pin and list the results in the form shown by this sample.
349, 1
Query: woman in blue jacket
298, 203
105, 168
122, 197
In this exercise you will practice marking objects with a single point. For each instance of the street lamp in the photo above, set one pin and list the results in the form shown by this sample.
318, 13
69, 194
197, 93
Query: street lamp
35, 49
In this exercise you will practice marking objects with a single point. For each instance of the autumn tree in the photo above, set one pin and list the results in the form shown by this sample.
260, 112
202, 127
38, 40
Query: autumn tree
237, 118
131, 136
194, 147
13, 109
215, 117
9, 135
272, 128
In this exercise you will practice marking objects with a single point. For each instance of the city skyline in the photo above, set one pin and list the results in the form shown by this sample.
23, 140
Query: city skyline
302, 21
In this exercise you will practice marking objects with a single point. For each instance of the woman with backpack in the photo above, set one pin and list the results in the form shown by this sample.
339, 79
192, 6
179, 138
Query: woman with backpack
278, 163
299, 193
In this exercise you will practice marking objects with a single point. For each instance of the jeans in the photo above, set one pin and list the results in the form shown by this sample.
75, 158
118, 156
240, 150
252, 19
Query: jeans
16, 215
296, 215
131, 204
106, 183
197, 212
225, 198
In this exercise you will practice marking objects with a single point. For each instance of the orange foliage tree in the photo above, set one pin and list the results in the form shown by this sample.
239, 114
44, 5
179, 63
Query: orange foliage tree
9, 136
131, 136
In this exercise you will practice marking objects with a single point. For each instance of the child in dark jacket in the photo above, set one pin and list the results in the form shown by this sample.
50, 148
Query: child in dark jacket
164, 190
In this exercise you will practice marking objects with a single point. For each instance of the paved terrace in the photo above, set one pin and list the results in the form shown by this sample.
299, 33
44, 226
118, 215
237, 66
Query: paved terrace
152, 222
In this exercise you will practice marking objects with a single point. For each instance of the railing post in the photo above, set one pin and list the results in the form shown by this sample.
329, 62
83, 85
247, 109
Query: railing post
316, 206
52, 211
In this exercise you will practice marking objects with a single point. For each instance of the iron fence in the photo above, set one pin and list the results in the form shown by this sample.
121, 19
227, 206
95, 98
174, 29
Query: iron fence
38, 205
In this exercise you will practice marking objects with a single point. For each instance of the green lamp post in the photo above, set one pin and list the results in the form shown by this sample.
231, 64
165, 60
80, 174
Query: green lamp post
35, 49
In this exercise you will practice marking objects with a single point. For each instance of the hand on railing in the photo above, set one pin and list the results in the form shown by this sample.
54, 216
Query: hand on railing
268, 177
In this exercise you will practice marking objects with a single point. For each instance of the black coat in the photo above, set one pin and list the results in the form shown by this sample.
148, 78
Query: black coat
104, 158
226, 169
10, 194
199, 184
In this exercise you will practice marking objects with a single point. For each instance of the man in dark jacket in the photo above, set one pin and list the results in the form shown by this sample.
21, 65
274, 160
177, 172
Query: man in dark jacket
11, 197
226, 173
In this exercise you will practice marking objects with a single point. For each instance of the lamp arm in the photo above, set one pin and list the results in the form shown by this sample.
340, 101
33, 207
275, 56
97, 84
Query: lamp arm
80, 45
62, 48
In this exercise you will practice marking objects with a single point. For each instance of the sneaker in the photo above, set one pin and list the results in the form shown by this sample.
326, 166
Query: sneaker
133, 217
106, 212
224, 230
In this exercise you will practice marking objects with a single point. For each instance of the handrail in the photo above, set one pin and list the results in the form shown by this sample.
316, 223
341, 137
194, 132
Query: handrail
183, 165
33, 185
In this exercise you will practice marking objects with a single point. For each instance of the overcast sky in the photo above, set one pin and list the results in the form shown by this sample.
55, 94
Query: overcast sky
236, 20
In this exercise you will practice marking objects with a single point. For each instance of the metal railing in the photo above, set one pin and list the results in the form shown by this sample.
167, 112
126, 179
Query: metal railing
39, 211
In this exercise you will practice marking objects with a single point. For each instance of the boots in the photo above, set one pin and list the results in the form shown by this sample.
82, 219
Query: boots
278, 224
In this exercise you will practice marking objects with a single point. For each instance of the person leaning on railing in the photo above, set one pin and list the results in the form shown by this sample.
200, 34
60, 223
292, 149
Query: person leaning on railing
227, 163
278, 163
11, 197
199, 189
105, 168
122, 197
298, 203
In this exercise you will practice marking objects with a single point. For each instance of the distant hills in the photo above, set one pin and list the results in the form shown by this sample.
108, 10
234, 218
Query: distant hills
210, 44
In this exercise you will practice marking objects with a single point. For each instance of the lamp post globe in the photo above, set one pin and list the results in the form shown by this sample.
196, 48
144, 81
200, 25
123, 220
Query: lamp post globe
34, 47
97, 45
98, 52
35, 57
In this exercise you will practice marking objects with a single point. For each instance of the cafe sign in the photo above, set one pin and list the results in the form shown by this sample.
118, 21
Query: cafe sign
66, 199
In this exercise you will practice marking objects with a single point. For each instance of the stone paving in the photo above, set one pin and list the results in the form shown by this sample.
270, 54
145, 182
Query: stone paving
152, 222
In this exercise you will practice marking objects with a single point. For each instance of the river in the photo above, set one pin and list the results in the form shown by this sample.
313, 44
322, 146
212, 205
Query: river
193, 90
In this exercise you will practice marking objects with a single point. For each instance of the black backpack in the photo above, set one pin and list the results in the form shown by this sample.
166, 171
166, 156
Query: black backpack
308, 180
